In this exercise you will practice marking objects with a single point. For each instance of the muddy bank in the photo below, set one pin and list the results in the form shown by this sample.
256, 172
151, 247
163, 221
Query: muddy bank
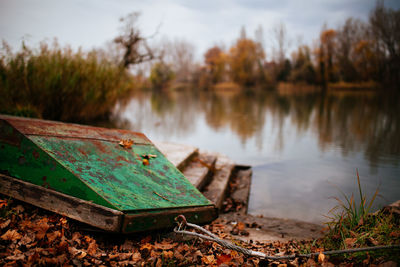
258, 228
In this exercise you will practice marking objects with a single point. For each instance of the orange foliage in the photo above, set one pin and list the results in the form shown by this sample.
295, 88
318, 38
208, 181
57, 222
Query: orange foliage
244, 59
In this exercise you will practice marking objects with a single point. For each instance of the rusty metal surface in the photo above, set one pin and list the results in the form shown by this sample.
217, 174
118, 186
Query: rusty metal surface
88, 163
69, 130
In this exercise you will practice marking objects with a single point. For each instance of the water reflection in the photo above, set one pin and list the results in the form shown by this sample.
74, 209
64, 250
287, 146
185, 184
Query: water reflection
301, 143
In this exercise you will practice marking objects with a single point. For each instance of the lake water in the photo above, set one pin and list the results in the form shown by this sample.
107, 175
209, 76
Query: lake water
305, 148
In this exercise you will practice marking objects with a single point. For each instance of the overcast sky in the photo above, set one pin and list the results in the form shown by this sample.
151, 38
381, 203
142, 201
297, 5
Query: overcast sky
91, 23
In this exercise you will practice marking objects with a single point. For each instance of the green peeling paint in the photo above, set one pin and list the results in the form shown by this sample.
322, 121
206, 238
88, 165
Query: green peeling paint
93, 168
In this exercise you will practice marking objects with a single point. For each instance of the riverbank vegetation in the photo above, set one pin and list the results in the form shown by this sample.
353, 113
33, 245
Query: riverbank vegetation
60, 83
353, 225
357, 54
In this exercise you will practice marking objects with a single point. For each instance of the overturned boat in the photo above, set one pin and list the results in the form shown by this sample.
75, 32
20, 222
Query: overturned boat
116, 180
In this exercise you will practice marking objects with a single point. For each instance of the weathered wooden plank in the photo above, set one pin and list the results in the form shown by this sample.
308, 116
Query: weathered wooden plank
216, 190
178, 154
242, 179
72, 207
200, 171
166, 218
70, 130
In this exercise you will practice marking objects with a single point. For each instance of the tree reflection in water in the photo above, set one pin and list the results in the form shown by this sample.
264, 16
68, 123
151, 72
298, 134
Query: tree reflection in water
343, 130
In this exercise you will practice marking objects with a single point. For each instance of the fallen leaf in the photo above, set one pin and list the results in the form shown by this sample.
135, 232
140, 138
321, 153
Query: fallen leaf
63, 221
5, 224
159, 263
11, 235
321, 257
209, 259
136, 257
82, 254
74, 252
198, 254
113, 256
62, 246
165, 245
223, 258
241, 226
126, 143
124, 256
178, 255
27, 239
56, 261
25, 224
147, 246
3, 203
182, 248
88, 239
53, 236
92, 248
41, 228
350, 242
154, 254
33, 258
168, 254
16, 257
77, 238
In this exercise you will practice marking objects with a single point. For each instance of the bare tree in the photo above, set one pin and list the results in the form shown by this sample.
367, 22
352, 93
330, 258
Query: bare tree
385, 28
348, 36
135, 47
281, 40
179, 54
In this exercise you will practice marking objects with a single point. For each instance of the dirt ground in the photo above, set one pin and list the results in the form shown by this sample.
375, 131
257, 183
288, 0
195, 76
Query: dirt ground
259, 228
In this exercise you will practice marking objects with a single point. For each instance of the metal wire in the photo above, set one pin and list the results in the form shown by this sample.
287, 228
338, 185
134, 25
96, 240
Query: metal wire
211, 237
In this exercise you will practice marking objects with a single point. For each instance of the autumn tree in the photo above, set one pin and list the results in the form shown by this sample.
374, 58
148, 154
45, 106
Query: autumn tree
302, 67
246, 59
326, 55
215, 61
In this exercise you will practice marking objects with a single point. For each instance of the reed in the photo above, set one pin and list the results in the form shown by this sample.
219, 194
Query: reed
353, 225
58, 83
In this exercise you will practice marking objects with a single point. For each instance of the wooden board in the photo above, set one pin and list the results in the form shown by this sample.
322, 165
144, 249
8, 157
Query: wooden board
72, 207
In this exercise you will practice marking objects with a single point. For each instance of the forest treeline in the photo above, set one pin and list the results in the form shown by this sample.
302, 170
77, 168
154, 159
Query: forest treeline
59, 83
355, 53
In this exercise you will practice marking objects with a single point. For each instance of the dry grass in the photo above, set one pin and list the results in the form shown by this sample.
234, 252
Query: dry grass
60, 84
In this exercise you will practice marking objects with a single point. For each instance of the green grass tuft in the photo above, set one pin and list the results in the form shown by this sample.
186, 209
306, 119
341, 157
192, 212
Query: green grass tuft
352, 225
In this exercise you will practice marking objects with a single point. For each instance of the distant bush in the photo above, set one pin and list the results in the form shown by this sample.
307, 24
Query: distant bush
60, 84
161, 75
